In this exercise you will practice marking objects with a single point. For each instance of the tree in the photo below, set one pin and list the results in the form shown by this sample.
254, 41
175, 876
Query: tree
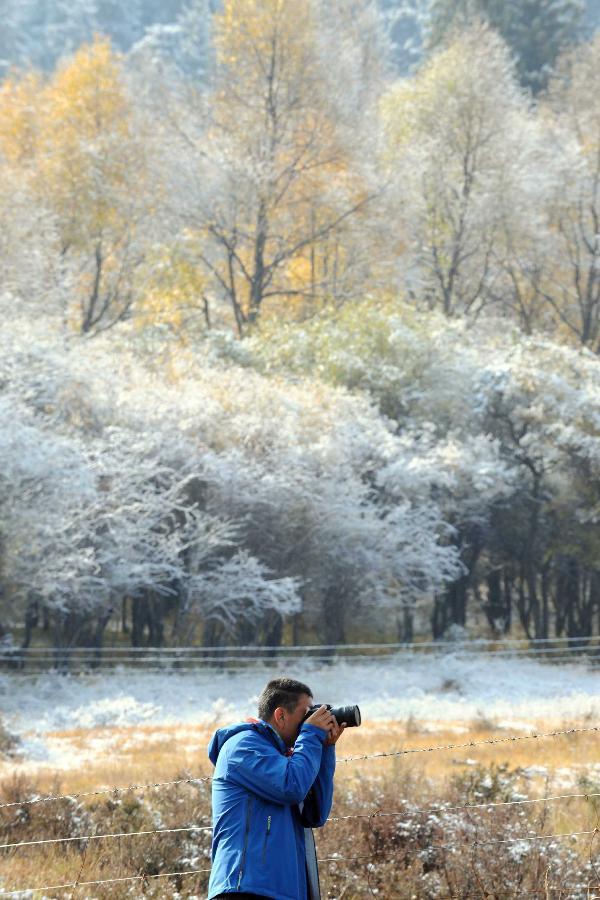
92, 175
422, 371
536, 31
276, 186
185, 43
111, 502
29, 244
455, 145
80, 156
571, 281
498, 429
39, 33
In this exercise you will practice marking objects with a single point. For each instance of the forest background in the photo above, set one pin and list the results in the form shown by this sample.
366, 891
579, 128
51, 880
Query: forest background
300, 321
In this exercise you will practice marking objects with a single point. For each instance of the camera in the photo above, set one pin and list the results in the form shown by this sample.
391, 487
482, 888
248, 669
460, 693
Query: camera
350, 715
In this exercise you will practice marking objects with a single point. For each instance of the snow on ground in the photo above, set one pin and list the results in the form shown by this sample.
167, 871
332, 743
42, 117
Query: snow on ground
426, 689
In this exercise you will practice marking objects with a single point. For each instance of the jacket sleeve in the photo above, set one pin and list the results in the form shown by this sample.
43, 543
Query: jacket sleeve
318, 802
259, 767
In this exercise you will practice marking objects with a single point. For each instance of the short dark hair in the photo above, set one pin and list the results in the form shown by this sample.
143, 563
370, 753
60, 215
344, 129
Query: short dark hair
281, 692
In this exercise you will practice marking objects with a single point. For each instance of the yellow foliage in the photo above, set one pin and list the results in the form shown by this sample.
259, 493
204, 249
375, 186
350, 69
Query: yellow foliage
300, 272
412, 105
85, 99
86, 143
270, 104
174, 292
20, 117
259, 26
72, 137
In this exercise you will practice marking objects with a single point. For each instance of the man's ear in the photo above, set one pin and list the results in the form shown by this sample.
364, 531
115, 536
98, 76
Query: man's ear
279, 716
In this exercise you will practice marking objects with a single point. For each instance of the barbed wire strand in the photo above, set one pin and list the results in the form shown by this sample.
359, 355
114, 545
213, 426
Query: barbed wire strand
333, 859
112, 790
409, 750
375, 815
99, 837
70, 884
472, 843
442, 809
467, 744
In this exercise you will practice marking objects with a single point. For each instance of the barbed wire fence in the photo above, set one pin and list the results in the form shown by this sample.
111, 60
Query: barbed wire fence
32, 661
593, 889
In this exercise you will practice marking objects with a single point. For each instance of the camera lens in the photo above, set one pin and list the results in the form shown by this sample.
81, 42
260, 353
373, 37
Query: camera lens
348, 714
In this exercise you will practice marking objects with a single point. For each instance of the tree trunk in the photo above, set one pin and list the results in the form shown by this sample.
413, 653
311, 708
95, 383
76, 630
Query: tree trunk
495, 607
124, 625
32, 616
334, 608
406, 625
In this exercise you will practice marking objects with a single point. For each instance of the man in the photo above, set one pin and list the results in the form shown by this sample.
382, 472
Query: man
264, 794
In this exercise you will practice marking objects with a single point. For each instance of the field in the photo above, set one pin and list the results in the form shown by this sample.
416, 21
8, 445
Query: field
404, 838
404, 783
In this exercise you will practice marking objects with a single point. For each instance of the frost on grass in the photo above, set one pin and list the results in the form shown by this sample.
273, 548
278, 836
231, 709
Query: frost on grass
399, 690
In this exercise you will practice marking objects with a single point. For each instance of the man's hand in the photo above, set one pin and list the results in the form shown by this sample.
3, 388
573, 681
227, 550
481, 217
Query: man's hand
322, 718
335, 732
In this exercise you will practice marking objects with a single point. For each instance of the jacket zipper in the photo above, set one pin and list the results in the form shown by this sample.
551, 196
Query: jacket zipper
245, 843
267, 832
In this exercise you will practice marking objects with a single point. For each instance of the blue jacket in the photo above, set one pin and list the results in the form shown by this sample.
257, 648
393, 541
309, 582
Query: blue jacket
258, 835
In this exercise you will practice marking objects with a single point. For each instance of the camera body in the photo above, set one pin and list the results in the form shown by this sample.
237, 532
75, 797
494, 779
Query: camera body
348, 715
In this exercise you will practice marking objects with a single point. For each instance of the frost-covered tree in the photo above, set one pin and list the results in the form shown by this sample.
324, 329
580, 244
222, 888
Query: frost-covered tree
422, 372
536, 31
95, 510
571, 282
270, 187
39, 33
455, 146
501, 430
223, 500
72, 142
184, 43
30, 259
547, 425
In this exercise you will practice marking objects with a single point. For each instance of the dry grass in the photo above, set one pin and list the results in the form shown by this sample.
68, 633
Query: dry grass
123, 756
404, 864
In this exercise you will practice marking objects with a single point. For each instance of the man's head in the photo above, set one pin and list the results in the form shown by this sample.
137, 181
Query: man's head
283, 704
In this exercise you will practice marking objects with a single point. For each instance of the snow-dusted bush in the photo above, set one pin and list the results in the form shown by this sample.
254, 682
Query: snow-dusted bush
500, 429
235, 495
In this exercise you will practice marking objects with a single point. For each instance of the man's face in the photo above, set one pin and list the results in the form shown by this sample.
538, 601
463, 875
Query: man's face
287, 724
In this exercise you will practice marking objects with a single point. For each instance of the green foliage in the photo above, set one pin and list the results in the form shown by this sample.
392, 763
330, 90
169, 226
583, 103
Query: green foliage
377, 346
